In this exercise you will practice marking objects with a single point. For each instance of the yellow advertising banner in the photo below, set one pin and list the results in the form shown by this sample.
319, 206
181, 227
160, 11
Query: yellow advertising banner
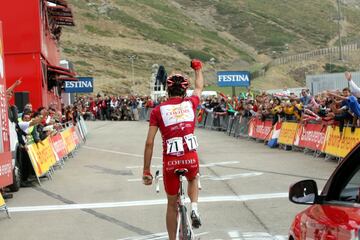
287, 133
340, 146
2, 201
3, 206
67, 135
42, 156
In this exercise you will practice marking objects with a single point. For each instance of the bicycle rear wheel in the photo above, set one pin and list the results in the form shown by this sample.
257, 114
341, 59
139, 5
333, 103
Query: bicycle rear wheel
184, 225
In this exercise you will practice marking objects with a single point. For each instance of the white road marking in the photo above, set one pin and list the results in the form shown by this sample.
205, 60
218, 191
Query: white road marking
154, 202
117, 152
152, 166
201, 165
234, 234
157, 236
151, 236
215, 178
233, 176
135, 180
237, 235
281, 237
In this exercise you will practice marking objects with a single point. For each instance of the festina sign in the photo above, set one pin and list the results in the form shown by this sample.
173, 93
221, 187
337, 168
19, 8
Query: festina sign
84, 85
233, 79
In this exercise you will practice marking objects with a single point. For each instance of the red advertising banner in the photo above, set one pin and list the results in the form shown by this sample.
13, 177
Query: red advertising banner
6, 177
260, 129
58, 145
75, 136
311, 136
5, 154
69, 140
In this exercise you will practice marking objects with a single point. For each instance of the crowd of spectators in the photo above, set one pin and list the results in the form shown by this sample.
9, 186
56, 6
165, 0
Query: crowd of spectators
34, 125
329, 107
116, 108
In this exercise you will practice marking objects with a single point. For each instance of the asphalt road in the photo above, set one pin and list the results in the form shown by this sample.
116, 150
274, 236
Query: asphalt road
98, 194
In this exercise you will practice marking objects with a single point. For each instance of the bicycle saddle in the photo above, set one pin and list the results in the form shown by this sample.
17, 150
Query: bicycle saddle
181, 171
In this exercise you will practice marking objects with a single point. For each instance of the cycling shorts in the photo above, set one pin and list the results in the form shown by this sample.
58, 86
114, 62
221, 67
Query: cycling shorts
189, 161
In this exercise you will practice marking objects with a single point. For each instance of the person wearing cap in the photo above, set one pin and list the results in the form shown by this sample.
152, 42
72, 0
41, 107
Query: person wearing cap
176, 120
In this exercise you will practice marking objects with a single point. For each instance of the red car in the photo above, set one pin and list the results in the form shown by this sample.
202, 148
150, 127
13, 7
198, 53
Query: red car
335, 213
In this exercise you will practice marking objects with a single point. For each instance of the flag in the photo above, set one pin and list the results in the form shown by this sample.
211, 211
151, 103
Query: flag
200, 115
223, 95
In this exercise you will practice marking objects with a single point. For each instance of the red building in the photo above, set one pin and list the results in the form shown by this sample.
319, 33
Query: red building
6, 176
31, 32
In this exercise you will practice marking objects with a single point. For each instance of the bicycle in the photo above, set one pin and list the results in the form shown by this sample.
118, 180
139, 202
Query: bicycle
184, 229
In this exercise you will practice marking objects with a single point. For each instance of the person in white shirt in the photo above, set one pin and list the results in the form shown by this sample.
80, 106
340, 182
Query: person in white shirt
27, 123
355, 90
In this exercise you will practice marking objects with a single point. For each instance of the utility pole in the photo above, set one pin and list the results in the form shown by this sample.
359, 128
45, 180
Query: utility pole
132, 59
339, 18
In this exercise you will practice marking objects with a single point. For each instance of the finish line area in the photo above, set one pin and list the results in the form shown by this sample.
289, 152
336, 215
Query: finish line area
99, 194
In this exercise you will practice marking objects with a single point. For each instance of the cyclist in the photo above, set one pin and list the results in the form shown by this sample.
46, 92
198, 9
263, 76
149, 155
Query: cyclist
176, 120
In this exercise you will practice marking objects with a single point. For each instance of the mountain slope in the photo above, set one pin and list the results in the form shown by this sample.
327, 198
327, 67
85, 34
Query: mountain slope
238, 34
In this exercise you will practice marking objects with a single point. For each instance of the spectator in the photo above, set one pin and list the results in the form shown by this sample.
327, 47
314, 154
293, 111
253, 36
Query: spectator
354, 88
134, 108
343, 114
306, 97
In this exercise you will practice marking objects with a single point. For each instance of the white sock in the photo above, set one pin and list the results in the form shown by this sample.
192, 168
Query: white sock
194, 207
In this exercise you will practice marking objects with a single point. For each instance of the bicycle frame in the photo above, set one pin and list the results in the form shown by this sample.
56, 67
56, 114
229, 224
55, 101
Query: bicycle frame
181, 203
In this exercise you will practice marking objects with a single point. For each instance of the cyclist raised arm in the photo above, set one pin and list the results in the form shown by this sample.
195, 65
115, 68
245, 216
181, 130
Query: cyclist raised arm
176, 120
199, 79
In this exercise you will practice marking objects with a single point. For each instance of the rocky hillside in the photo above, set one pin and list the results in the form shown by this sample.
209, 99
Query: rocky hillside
236, 34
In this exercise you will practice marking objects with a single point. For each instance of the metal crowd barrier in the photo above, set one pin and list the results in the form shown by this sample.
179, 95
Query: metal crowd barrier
215, 121
230, 125
144, 114
243, 127
209, 122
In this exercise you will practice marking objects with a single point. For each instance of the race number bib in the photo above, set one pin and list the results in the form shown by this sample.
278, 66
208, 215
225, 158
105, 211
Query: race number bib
174, 146
191, 142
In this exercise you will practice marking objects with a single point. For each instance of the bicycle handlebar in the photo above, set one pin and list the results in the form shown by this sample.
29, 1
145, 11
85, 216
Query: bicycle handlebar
157, 177
198, 179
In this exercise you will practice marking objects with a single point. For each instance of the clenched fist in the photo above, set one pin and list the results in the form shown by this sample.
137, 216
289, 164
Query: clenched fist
196, 64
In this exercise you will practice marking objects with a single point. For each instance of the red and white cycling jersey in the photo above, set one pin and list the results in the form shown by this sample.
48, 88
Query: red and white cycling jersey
176, 121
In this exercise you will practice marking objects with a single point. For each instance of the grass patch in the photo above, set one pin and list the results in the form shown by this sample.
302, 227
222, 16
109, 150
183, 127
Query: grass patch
225, 90
332, 68
113, 74
270, 24
97, 31
83, 63
201, 55
162, 35
90, 16
68, 50
158, 5
79, 4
